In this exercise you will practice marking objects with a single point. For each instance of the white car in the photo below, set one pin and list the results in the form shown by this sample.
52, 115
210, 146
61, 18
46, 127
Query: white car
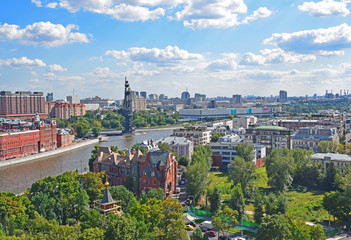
182, 182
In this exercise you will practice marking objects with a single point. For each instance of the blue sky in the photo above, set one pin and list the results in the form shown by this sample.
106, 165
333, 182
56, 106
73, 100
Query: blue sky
215, 47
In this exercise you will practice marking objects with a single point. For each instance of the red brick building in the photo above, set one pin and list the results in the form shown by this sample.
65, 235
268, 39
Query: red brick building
22, 105
18, 139
64, 138
153, 170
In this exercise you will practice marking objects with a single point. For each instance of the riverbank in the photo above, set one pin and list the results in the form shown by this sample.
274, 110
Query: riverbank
25, 159
146, 129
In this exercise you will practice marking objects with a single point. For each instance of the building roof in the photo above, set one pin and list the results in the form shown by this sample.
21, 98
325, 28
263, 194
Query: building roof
107, 197
174, 140
331, 156
159, 158
315, 136
271, 128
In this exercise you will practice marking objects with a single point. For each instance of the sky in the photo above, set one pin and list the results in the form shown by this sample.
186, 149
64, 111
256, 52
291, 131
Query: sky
213, 47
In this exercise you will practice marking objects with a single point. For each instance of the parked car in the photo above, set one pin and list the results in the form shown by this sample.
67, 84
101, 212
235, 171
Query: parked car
182, 182
211, 233
189, 227
192, 224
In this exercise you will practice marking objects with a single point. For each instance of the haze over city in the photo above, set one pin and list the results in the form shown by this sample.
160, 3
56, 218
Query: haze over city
216, 47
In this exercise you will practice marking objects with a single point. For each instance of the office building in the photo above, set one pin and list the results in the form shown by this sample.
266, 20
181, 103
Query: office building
143, 94
283, 96
236, 98
185, 95
199, 97
270, 136
22, 105
50, 97
73, 99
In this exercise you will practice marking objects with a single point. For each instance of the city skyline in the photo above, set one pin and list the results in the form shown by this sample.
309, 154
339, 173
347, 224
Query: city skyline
217, 48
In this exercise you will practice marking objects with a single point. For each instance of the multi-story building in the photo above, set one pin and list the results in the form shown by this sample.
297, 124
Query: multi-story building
198, 135
270, 136
73, 99
339, 160
97, 100
180, 145
236, 98
143, 94
244, 122
64, 110
50, 97
201, 114
22, 105
64, 138
185, 95
199, 97
283, 96
153, 170
18, 139
309, 138
138, 103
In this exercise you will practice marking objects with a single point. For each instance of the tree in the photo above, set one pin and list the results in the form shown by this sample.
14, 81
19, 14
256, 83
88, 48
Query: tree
224, 220
94, 155
81, 128
196, 235
273, 227
121, 193
164, 146
137, 147
175, 230
327, 147
92, 234
96, 131
242, 172
202, 153
237, 201
279, 166
121, 228
157, 193
215, 200
215, 137
92, 183
91, 219
184, 160
258, 207
275, 204
196, 175
246, 151
332, 180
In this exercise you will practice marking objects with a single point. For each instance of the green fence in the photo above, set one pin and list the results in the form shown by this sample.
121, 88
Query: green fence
202, 213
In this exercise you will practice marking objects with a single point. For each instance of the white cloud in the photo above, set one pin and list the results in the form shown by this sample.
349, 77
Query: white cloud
331, 53
46, 34
35, 80
223, 64
326, 39
22, 62
325, 8
275, 56
199, 14
262, 12
168, 55
124, 10
56, 68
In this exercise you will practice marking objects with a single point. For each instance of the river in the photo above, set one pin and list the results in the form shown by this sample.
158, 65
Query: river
20, 177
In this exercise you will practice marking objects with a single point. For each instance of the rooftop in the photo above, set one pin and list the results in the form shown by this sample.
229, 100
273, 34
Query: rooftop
332, 156
276, 128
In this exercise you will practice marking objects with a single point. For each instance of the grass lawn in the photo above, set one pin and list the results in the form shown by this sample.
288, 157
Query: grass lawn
302, 204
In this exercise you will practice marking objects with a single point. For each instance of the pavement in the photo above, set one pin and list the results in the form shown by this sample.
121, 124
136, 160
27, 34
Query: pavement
342, 236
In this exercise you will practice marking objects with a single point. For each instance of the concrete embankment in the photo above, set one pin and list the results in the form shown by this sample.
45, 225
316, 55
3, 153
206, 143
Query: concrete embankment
25, 159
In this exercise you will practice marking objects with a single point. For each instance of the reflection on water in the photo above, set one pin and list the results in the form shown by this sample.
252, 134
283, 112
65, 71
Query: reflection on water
18, 178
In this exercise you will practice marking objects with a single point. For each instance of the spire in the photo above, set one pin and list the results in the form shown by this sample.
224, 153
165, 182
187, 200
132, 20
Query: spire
107, 198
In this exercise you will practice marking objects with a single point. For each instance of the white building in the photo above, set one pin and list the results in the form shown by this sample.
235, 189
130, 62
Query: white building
180, 145
339, 160
244, 122
198, 135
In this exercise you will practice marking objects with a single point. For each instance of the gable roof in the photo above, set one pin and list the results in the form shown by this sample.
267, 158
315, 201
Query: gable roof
159, 158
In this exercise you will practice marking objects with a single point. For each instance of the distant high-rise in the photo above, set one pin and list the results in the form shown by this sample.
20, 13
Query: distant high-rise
185, 95
162, 97
143, 94
50, 97
200, 97
236, 98
73, 99
283, 96
127, 108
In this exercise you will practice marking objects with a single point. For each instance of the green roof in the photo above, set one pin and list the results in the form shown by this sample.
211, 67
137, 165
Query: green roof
271, 128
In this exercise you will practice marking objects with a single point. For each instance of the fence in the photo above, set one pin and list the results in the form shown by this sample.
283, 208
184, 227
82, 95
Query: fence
243, 224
